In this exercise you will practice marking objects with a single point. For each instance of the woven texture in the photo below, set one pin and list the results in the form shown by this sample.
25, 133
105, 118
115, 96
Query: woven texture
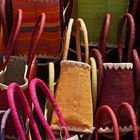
93, 13
50, 41
14, 72
74, 97
117, 87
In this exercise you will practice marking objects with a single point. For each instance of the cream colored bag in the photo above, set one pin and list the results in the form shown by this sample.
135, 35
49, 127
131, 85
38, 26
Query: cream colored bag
74, 92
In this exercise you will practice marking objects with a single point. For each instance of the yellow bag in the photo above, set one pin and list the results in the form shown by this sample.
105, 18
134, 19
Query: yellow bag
73, 91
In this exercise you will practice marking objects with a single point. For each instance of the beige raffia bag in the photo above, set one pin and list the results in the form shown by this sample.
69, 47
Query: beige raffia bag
73, 92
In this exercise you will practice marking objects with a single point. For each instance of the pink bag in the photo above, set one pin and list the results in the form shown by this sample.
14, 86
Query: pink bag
13, 89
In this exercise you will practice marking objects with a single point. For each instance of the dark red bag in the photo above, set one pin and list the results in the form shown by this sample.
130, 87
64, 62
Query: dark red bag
115, 80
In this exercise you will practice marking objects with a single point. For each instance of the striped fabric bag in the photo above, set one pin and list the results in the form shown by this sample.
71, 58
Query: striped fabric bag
51, 38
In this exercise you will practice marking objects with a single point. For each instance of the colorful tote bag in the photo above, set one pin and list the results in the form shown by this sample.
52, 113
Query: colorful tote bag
73, 90
50, 42
115, 81
93, 13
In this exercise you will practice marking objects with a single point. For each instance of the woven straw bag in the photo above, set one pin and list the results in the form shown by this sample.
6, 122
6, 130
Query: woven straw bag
93, 13
110, 91
73, 90
18, 69
32, 89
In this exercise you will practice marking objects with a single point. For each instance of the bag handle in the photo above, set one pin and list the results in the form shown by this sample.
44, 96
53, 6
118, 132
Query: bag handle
32, 90
137, 65
104, 35
98, 115
97, 55
130, 19
13, 37
36, 35
67, 12
13, 89
132, 115
3, 123
94, 81
3, 21
80, 26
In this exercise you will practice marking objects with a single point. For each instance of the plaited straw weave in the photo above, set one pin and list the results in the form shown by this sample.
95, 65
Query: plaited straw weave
117, 88
73, 92
93, 13
73, 95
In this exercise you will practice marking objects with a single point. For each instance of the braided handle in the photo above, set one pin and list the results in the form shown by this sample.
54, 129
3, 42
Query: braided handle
36, 35
132, 115
97, 55
110, 112
13, 89
137, 66
13, 37
130, 19
104, 35
32, 89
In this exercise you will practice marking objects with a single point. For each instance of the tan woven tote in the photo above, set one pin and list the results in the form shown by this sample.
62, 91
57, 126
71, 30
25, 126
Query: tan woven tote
74, 92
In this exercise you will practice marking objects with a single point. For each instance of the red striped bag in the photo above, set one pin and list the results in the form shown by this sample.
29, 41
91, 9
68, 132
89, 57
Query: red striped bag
50, 43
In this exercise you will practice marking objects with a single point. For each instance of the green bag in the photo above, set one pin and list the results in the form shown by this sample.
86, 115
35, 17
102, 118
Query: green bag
93, 13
